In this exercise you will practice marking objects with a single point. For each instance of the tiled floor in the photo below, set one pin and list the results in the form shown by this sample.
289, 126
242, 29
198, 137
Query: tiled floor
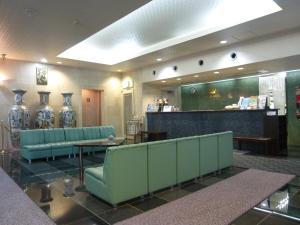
82, 208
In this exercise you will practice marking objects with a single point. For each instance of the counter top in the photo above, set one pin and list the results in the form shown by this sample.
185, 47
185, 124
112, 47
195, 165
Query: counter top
221, 110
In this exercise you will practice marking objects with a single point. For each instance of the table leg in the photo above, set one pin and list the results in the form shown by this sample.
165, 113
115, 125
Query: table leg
81, 186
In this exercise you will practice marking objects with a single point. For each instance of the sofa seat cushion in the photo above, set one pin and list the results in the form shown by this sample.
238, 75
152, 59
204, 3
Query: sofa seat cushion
38, 147
96, 172
62, 145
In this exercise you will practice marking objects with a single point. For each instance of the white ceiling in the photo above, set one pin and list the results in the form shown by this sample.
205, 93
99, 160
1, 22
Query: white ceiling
164, 23
32, 29
260, 68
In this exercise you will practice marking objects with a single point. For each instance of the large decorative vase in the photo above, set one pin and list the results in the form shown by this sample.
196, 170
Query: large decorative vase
18, 116
45, 114
67, 116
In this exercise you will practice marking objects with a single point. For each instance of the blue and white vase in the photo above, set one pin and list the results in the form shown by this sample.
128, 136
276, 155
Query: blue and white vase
67, 116
45, 117
18, 117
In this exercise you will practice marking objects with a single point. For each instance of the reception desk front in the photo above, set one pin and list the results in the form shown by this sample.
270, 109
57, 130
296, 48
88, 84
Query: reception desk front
250, 123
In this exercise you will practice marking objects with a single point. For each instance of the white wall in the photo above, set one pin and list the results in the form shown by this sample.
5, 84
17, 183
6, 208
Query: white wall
17, 74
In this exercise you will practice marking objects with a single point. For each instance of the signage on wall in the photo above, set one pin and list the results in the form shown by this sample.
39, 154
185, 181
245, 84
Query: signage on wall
298, 102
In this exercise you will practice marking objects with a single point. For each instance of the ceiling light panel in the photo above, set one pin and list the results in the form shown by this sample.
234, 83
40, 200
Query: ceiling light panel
164, 23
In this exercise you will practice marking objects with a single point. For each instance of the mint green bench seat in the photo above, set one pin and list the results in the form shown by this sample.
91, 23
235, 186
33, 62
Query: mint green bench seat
75, 136
208, 154
225, 150
106, 131
188, 165
56, 137
33, 145
93, 134
123, 175
161, 164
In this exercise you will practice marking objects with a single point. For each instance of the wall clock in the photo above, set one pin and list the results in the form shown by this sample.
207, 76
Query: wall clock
193, 90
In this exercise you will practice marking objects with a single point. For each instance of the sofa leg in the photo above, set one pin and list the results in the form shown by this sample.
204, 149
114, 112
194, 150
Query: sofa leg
196, 180
47, 159
142, 197
200, 179
53, 157
69, 156
29, 161
219, 171
74, 155
115, 206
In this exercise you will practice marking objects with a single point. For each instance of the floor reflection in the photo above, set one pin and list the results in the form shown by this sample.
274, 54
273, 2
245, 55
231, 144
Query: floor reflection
51, 185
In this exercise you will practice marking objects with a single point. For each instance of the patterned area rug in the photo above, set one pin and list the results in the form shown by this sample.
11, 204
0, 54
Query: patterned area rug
272, 164
218, 204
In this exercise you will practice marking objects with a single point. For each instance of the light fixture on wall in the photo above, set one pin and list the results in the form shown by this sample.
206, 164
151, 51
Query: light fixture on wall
127, 84
3, 57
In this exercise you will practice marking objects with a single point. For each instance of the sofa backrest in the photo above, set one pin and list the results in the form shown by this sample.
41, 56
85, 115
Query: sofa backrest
32, 137
106, 131
188, 155
54, 135
161, 164
125, 170
208, 153
225, 149
74, 134
91, 133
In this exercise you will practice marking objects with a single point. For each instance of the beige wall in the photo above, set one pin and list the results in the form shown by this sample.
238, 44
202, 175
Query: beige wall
16, 74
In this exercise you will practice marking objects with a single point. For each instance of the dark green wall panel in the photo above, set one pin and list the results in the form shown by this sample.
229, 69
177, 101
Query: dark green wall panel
227, 93
293, 80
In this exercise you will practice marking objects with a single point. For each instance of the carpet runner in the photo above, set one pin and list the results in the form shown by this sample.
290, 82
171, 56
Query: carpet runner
219, 204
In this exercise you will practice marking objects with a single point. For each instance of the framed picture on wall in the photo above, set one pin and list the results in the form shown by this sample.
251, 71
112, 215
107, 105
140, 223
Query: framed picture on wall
42, 75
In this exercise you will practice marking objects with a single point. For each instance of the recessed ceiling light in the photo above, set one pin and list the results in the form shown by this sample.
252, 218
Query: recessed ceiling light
216, 72
196, 76
263, 71
44, 60
59, 62
119, 70
240, 68
178, 79
163, 81
223, 42
159, 59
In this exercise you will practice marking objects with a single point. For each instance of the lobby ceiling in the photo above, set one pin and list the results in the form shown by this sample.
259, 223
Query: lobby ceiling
32, 29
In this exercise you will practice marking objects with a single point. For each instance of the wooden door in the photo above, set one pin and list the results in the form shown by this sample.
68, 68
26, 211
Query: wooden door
91, 108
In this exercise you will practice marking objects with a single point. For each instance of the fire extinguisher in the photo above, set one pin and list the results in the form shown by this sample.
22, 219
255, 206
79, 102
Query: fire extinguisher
298, 102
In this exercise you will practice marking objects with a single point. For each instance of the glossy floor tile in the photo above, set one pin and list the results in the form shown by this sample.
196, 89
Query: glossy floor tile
46, 183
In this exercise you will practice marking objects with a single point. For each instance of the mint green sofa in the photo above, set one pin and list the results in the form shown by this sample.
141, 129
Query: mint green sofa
208, 154
45, 143
133, 170
56, 138
225, 147
161, 164
123, 175
188, 155
33, 145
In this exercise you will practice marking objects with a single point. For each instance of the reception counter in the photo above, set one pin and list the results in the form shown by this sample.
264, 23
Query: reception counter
251, 123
